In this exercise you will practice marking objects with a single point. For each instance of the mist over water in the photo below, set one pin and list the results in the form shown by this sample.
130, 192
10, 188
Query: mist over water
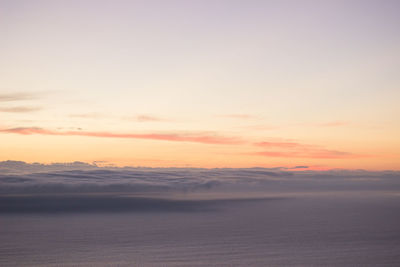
70, 215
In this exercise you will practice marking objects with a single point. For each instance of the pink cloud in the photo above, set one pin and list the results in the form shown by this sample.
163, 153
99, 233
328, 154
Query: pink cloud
280, 144
319, 154
298, 150
176, 137
271, 148
145, 118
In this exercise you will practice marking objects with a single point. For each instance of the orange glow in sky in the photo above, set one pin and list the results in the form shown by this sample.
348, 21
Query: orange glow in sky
201, 83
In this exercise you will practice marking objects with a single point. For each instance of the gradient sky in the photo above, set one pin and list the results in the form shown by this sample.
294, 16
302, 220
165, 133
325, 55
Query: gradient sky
201, 83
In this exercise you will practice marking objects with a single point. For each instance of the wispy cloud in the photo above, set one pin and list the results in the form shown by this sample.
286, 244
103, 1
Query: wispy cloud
298, 150
176, 137
260, 127
300, 167
332, 124
280, 144
318, 153
145, 118
239, 116
19, 109
17, 96
91, 115
20, 96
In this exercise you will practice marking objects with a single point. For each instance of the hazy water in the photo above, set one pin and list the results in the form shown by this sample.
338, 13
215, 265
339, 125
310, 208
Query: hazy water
294, 231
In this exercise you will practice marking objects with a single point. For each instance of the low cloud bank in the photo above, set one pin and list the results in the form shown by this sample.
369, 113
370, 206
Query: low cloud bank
82, 187
22, 178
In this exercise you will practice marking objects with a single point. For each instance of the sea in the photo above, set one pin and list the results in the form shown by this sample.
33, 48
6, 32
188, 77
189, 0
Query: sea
320, 229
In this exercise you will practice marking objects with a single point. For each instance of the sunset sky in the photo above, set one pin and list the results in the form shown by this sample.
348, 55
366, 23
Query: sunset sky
201, 83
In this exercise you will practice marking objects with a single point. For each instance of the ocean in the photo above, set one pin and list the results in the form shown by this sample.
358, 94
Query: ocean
317, 229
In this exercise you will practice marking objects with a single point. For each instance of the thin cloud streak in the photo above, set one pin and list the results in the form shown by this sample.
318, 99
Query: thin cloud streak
146, 118
198, 138
239, 116
298, 150
318, 154
333, 124
19, 109
260, 127
284, 149
92, 115
281, 144
16, 97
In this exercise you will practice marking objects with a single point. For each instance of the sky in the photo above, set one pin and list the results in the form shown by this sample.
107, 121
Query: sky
201, 83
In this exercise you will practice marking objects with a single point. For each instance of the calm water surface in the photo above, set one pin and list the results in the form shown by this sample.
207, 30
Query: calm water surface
294, 231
